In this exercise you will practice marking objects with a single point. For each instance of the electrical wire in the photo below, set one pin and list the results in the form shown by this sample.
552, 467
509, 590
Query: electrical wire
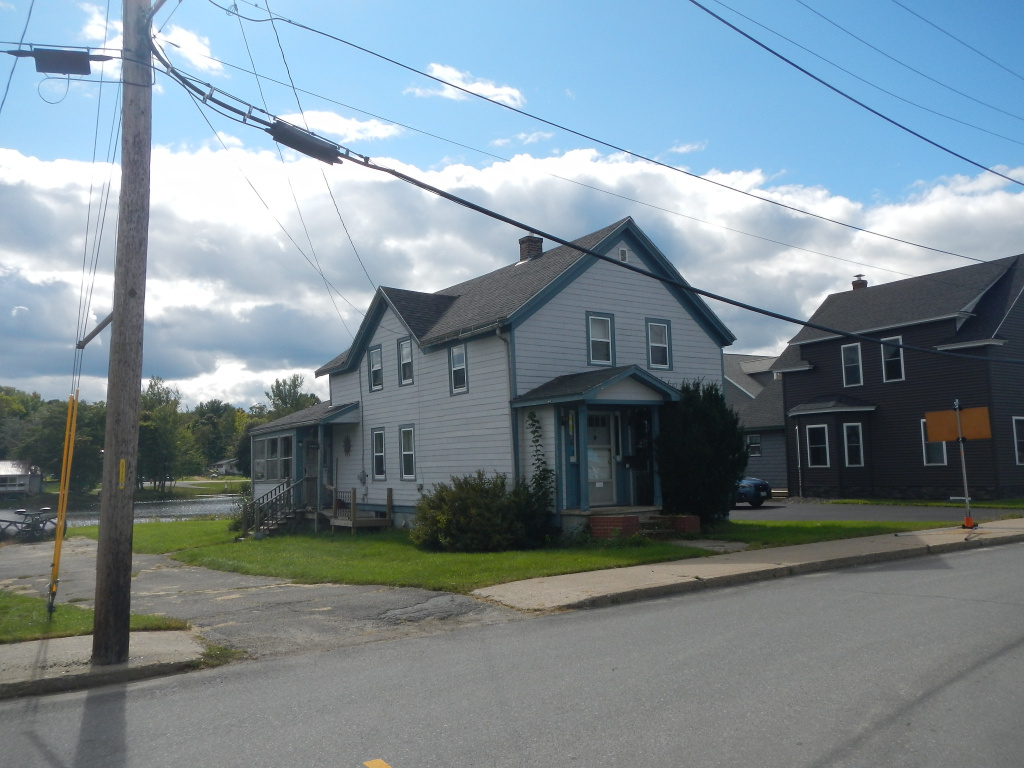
21, 40
347, 154
848, 97
878, 50
586, 136
868, 82
965, 44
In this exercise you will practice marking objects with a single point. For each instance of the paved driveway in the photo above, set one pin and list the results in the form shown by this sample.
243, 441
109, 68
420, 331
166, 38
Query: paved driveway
785, 509
264, 616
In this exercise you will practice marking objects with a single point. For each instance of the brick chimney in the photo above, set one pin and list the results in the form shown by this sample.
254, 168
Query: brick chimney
859, 282
530, 247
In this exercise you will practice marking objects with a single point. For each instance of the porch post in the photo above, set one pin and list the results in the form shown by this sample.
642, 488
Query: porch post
584, 459
655, 475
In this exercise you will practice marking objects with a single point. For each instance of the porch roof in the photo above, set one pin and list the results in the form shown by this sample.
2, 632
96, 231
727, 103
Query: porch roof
321, 413
831, 404
588, 386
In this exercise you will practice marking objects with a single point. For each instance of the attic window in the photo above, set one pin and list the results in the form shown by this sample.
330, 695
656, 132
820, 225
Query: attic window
623, 254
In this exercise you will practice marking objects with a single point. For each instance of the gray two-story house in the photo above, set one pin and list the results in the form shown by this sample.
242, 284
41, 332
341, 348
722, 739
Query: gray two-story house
442, 384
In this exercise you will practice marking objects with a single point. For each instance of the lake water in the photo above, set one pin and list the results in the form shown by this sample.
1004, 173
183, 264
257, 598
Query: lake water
199, 506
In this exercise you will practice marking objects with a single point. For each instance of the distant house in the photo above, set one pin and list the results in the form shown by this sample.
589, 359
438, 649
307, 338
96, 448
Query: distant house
225, 467
855, 410
442, 384
755, 393
19, 478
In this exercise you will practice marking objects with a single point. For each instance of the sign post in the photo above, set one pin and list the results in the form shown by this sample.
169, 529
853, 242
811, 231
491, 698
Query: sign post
960, 424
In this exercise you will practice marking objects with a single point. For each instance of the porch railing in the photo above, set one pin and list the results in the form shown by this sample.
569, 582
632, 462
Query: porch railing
275, 506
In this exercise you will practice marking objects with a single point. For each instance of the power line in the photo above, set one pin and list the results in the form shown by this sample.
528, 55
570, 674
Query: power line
907, 66
868, 82
21, 40
848, 97
318, 150
965, 44
584, 135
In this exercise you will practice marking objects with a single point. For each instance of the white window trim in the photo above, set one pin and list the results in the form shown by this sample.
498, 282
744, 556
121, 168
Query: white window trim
924, 449
1018, 438
828, 453
402, 381
860, 364
860, 443
375, 453
610, 340
452, 368
402, 453
899, 351
751, 445
667, 346
370, 367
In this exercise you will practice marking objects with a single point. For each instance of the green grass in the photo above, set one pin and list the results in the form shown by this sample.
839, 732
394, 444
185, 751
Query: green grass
389, 558
999, 504
23, 617
781, 533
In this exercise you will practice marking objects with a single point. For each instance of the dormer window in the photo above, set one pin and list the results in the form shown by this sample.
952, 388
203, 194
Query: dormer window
853, 375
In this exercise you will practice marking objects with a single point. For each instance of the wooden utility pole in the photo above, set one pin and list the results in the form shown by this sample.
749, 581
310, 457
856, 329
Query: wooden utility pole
124, 375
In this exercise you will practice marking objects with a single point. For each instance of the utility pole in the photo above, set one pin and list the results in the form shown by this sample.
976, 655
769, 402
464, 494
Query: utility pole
124, 375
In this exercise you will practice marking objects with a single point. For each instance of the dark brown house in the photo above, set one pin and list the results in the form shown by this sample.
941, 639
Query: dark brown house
855, 409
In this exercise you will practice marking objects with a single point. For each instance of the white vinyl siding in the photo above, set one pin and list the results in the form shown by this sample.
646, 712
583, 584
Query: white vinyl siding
552, 341
892, 360
817, 446
934, 453
853, 444
853, 374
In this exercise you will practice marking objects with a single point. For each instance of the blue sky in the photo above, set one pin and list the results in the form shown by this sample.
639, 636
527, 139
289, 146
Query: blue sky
233, 304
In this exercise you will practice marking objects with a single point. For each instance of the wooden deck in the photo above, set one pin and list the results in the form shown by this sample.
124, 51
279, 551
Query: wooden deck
346, 513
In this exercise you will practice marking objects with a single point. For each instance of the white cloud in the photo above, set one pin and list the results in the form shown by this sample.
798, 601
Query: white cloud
503, 94
684, 149
233, 304
345, 128
195, 49
524, 138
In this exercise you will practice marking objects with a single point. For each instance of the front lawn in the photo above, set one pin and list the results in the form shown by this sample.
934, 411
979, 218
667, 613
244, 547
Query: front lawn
389, 558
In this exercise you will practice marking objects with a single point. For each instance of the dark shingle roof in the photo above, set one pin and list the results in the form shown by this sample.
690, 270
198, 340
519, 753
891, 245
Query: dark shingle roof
312, 415
906, 302
764, 411
739, 367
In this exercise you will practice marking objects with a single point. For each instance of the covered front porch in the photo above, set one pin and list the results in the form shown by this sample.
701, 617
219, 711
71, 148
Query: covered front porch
603, 424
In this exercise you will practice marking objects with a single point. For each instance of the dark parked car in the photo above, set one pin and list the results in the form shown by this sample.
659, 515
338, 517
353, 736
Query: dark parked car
753, 491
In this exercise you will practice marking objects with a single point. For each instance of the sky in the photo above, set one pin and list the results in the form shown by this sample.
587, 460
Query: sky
261, 260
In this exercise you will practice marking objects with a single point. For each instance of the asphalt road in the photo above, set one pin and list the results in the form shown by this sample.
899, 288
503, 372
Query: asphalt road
908, 663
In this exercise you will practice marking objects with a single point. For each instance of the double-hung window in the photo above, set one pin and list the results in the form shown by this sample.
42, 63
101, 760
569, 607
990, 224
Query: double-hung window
379, 467
407, 440
853, 375
934, 453
1018, 437
817, 446
457, 367
659, 346
375, 365
892, 360
404, 362
600, 339
853, 444
753, 445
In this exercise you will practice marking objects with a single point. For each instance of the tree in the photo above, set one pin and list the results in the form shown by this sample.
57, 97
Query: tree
42, 442
214, 426
701, 454
286, 396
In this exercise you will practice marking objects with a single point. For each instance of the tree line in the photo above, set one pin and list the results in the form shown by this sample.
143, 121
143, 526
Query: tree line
174, 441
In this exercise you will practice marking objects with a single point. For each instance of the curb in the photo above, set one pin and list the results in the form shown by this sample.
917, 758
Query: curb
694, 584
94, 678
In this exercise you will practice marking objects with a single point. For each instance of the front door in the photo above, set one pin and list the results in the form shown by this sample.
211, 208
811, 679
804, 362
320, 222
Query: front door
600, 459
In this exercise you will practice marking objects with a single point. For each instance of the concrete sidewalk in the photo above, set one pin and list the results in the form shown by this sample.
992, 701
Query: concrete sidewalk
63, 664
640, 582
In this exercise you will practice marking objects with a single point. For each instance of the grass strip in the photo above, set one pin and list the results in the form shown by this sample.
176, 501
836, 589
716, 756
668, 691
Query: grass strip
760, 534
24, 617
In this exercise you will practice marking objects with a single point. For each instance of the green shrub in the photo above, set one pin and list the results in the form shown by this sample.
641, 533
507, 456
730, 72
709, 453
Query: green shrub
244, 516
477, 513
